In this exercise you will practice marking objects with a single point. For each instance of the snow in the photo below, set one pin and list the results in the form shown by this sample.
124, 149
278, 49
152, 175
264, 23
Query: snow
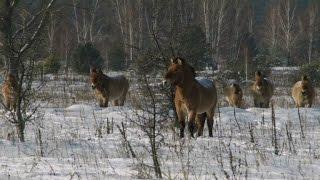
72, 149
80, 107
293, 68
205, 82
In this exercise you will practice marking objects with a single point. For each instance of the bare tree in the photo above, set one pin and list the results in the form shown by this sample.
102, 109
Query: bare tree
85, 19
239, 8
271, 28
76, 20
18, 44
51, 30
287, 18
312, 13
151, 115
124, 13
219, 19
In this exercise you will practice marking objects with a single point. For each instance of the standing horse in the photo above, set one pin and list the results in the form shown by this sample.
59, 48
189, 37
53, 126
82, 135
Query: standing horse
109, 88
303, 92
9, 92
192, 97
234, 95
262, 91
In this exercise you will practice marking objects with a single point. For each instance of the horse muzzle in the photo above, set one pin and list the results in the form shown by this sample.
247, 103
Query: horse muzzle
304, 93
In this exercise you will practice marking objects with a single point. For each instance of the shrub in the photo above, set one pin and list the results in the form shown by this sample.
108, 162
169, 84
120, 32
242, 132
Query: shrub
51, 64
84, 56
313, 71
193, 47
116, 57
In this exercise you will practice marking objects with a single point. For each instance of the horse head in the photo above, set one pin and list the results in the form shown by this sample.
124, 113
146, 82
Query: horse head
179, 71
95, 76
304, 85
259, 80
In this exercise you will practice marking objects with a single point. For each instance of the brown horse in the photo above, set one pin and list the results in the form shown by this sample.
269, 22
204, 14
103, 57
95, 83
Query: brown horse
109, 88
303, 92
262, 91
194, 98
9, 92
234, 95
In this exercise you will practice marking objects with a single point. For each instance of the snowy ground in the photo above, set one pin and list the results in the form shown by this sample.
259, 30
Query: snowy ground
72, 148
242, 145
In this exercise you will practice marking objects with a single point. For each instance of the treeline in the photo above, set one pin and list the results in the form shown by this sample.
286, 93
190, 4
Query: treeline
238, 35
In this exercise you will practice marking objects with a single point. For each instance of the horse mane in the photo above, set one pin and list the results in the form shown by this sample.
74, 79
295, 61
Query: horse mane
175, 60
304, 78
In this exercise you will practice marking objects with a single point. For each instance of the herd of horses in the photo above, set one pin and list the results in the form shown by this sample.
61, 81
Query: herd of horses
194, 99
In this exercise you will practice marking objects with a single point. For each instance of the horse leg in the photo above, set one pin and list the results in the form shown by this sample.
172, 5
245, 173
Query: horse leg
310, 104
14, 105
191, 123
7, 104
181, 118
261, 105
101, 102
298, 105
122, 100
210, 121
182, 122
115, 102
105, 102
255, 103
200, 123
266, 104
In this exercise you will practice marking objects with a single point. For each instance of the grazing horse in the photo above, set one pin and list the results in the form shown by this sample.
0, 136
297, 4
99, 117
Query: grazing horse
234, 95
195, 98
262, 91
303, 92
9, 91
109, 88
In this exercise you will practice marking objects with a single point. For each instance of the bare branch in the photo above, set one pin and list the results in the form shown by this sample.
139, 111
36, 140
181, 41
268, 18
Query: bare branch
37, 31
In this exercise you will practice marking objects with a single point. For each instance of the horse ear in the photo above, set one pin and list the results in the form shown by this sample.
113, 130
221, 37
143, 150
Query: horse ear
304, 78
258, 73
180, 61
100, 71
93, 70
193, 71
172, 60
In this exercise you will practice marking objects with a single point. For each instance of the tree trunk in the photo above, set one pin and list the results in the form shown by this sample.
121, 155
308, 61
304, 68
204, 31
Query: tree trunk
140, 23
312, 18
93, 15
206, 19
221, 15
76, 20
131, 43
156, 164
246, 57
21, 124
20, 131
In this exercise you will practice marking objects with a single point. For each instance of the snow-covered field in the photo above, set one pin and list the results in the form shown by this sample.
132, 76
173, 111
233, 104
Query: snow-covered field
72, 142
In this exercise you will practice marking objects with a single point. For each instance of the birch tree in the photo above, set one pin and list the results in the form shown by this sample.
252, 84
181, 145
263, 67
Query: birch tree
287, 19
19, 41
312, 14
